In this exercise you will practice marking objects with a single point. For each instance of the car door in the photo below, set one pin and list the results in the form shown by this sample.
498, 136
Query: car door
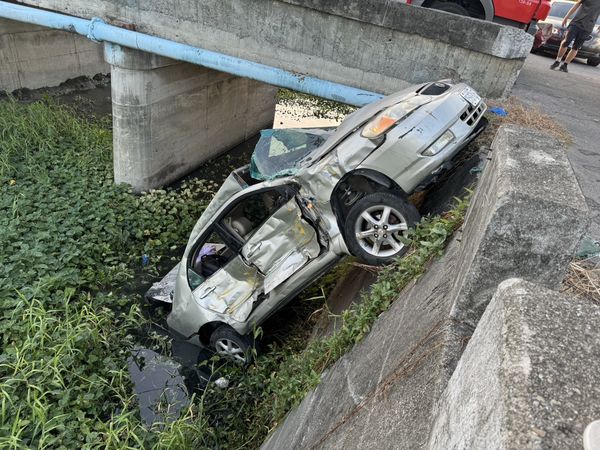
282, 245
221, 281
221, 278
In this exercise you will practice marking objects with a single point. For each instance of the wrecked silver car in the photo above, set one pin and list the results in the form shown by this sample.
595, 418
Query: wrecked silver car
308, 198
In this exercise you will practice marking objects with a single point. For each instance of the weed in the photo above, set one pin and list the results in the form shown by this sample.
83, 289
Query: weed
527, 116
68, 238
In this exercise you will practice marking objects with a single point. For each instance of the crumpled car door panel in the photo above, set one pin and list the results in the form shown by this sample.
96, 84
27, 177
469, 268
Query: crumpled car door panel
231, 290
282, 245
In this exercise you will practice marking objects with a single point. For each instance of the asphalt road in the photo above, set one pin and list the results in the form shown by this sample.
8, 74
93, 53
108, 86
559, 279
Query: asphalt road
573, 99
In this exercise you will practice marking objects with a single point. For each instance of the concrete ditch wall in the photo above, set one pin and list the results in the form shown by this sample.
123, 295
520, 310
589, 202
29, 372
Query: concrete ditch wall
33, 57
381, 45
528, 377
525, 220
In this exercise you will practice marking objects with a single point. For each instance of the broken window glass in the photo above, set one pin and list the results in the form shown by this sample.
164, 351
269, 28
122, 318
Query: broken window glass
278, 151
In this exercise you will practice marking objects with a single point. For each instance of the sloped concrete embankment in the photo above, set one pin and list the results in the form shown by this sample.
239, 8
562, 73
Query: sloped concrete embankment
525, 221
528, 377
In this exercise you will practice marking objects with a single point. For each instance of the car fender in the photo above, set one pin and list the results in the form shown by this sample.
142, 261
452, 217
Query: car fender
338, 210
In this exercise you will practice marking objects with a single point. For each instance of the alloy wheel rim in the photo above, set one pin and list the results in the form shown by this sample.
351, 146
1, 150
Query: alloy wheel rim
378, 230
230, 349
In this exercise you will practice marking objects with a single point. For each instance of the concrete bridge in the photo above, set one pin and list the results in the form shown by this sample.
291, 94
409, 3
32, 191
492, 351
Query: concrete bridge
170, 116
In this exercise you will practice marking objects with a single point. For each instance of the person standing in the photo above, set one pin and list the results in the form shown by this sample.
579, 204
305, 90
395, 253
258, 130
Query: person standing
581, 27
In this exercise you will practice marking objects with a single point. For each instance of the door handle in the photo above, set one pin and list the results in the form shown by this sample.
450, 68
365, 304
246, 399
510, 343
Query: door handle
207, 291
252, 251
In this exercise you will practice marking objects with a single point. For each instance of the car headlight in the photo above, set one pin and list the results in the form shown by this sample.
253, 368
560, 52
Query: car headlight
386, 120
439, 144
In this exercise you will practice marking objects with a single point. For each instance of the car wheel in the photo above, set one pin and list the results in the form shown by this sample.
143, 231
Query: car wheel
593, 62
450, 7
375, 225
231, 345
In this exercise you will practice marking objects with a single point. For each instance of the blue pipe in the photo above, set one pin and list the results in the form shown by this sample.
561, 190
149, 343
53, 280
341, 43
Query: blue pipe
99, 31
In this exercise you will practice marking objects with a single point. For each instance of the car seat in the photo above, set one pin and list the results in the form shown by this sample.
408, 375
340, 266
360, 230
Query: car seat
241, 226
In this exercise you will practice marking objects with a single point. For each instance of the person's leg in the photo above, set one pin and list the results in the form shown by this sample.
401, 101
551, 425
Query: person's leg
579, 37
563, 48
571, 56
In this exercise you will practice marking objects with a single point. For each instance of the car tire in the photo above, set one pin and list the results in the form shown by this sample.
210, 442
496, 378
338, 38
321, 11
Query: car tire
366, 227
450, 7
232, 346
593, 62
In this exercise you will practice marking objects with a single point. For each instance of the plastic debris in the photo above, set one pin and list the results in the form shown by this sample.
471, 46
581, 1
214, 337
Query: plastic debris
222, 383
498, 111
145, 260
588, 248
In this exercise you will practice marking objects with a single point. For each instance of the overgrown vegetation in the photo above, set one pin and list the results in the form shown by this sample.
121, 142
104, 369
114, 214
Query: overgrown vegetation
68, 239
583, 279
526, 116
68, 236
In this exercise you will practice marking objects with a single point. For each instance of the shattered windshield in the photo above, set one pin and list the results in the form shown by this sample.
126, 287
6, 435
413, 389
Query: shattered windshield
278, 151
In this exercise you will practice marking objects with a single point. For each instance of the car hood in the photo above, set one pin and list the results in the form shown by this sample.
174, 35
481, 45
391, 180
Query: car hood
283, 152
362, 115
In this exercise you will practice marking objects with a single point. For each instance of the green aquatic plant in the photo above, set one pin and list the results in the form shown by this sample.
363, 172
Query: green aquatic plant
312, 106
69, 241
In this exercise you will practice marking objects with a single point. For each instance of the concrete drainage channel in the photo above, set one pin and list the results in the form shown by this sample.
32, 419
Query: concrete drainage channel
481, 352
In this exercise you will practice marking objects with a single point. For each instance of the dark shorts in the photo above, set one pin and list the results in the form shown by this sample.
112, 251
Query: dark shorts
575, 37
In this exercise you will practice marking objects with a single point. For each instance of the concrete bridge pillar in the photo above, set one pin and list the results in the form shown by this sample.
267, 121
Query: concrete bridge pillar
169, 117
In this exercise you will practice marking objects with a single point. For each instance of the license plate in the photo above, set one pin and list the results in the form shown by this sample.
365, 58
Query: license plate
471, 96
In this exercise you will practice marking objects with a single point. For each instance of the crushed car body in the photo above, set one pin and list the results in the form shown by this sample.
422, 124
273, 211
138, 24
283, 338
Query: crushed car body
308, 198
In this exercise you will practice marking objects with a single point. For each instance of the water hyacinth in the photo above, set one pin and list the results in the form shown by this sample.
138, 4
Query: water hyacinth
69, 238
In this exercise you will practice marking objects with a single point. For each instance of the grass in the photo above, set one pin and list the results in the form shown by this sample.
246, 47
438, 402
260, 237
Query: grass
70, 239
583, 279
526, 116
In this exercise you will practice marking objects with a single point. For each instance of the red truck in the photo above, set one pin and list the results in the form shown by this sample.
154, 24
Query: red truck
523, 14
